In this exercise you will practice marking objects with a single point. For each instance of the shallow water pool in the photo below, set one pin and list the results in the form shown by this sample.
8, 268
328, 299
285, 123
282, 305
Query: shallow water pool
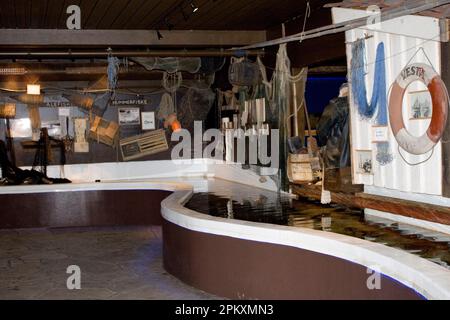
227, 200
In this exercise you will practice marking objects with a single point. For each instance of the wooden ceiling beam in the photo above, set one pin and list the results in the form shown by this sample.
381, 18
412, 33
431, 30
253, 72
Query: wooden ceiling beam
143, 38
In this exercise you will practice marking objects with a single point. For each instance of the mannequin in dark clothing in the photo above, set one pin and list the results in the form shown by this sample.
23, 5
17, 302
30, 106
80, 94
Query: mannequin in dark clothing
334, 132
4, 161
11, 175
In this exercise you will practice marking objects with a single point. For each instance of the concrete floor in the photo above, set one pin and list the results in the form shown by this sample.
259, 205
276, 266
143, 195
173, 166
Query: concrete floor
115, 263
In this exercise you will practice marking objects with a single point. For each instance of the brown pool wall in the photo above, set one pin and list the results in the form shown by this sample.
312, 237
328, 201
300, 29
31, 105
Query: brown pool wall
241, 269
81, 208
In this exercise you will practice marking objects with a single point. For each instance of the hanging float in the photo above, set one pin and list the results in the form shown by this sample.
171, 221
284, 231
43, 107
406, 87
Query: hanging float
439, 95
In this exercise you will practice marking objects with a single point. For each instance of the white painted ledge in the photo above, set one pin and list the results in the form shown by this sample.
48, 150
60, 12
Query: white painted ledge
145, 170
442, 228
410, 196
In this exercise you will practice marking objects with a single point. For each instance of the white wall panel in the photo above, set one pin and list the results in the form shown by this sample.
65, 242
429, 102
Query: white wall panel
402, 38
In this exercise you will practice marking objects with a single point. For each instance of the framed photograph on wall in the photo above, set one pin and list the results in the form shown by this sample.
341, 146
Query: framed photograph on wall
148, 121
420, 105
129, 116
380, 134
364, 162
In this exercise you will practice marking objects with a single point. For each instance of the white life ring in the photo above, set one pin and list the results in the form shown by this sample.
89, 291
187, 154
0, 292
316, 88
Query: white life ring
439, 95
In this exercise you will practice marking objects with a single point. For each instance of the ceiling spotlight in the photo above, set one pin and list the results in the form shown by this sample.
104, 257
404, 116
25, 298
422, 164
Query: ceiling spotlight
194, 7
160, 36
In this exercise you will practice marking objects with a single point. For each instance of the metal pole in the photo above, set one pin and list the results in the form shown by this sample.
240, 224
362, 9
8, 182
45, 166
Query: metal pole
388, 14
150, 53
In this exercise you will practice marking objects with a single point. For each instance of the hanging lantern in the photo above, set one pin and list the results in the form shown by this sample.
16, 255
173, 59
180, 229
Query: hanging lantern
176, 126
172, 122
33, 89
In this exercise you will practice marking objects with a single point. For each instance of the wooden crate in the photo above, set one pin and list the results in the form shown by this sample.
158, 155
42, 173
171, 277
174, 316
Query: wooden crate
103, 131
300, 172
300, 168
143, 145
299, 158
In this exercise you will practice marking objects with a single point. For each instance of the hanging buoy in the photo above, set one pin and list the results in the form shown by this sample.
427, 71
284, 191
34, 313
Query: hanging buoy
439, 95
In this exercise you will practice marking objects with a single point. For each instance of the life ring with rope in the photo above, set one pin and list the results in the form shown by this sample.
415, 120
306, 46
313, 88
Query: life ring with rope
440, 101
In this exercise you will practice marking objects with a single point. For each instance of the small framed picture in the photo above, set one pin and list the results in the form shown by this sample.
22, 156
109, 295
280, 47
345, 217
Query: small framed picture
364, 161
379, 134
129, 116
420, 105
148, 121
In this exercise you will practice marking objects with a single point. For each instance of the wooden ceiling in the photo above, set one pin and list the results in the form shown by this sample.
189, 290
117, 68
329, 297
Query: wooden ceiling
153, 14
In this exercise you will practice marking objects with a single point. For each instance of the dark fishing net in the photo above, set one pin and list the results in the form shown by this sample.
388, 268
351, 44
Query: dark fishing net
195, 106
170, 64
243, 73
211, 64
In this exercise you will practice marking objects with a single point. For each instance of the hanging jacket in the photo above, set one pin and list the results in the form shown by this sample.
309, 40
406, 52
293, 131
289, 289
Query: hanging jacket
334, 134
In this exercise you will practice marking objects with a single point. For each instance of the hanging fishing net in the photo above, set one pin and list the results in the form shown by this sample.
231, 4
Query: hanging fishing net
166, 107
267, 84
378, 102
226, 100
195, 106
200, 81
172, 81
384, 154
281, 92
281, 88
113, 72
211, 64
170, 64
243, 72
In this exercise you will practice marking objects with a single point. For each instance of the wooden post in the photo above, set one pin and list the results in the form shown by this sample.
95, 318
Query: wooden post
10, 143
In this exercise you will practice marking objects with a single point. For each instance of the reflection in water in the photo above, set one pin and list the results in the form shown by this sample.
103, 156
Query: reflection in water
255, 205
230, 213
